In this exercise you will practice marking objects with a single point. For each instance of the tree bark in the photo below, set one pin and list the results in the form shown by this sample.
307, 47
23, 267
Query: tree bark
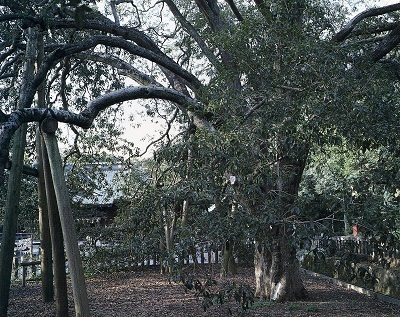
169, 233
49, 127
189, 163
228, 260
228, 256
277, 268
261, 269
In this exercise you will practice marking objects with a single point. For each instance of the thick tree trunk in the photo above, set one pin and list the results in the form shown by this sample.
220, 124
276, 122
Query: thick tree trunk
277, 269
276, 266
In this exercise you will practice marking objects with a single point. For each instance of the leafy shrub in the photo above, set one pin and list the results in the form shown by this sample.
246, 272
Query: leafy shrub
237, 298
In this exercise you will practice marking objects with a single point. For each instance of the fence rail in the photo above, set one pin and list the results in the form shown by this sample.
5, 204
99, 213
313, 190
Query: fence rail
26, 264
26, 257
374, 249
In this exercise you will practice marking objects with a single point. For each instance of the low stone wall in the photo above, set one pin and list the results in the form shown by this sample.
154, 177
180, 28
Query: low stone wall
353, 268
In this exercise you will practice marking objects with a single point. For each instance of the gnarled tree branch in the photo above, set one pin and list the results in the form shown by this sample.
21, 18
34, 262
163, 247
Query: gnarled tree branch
144, 47
388, 43
344, 33
85, 119
235, 10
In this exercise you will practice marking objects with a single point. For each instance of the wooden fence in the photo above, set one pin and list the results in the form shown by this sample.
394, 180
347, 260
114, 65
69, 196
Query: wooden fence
26, 257
26, 262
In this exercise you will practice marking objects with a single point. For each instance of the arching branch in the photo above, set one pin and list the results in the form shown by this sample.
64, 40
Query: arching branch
160, 59
144, 46
142, 92
344, 33
93, 21
71, 49
388, 43
85, 119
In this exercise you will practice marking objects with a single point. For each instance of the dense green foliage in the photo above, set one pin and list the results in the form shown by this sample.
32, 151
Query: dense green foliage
364, 185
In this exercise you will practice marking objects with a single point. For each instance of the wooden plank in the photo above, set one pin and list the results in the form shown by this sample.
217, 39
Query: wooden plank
26, 170
10, 218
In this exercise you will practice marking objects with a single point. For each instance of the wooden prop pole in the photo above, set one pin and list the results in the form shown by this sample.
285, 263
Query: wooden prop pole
49, 127
60, 280
10, 218
46, 265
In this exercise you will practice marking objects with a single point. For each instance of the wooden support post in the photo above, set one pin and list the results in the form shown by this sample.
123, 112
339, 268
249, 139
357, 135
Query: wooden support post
24, 276
45, 239
10, 219
60, 280
49, 127
14, 181
44, 224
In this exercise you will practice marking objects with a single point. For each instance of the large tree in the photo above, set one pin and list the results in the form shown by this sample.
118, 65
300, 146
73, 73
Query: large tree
263, 80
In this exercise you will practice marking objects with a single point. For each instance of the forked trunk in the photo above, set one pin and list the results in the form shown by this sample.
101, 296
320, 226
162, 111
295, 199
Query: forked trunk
277, 269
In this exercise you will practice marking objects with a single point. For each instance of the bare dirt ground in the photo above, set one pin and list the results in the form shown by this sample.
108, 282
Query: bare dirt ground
147, 293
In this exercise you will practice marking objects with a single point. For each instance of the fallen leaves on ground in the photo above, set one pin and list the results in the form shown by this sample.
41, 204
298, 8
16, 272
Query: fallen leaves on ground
146, 292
